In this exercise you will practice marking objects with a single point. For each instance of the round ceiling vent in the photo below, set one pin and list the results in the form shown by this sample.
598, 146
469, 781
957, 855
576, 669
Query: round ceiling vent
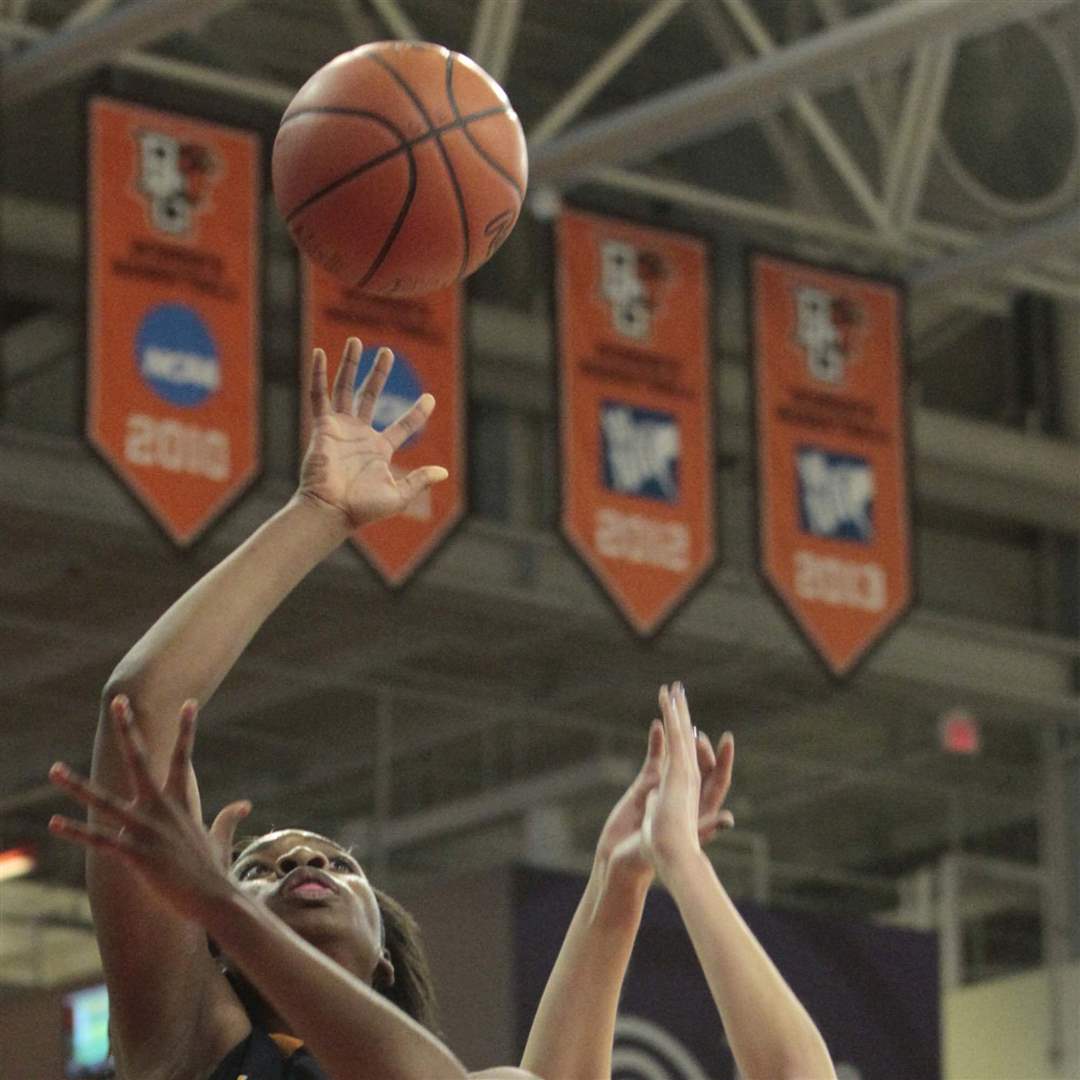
1010, 127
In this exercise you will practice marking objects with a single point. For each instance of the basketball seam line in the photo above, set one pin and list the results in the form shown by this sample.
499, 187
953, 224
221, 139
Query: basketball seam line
341, 110
499, 170
404, 144
396, 227
462, 215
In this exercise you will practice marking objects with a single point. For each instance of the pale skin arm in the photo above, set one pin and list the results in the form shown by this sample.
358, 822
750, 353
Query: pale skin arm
351, 1029
770, 1033
156, 965
573, 1030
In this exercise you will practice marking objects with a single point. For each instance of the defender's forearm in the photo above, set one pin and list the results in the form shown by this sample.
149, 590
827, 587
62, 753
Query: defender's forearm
572, 1032
770, 1032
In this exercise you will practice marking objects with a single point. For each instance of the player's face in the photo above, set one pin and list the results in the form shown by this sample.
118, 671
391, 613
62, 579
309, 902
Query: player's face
319, 889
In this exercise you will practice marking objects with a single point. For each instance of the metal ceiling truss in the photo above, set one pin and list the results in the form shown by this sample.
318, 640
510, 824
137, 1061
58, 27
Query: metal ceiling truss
593, 151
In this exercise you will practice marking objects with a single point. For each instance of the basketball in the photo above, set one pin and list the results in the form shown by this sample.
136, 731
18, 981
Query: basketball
400, 167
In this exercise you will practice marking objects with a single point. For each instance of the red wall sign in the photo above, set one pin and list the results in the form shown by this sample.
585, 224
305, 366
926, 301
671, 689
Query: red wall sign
424, 333
636, 411
833, 497
174, 379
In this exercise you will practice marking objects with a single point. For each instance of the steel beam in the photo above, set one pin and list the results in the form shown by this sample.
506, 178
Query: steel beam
399, 24
833, 14
1023, 245
925, 239
601, 73
493, 34
786, 148
815, 121
264, 92
719, 102
910, 155
69, 53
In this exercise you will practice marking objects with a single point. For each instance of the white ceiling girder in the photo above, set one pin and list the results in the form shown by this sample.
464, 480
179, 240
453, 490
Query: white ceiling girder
910, 153
180, 71
789, 151
87, 12
811, 115
69, 53
1022, 245
356, 23
718, 102
502, 45
493, 35
833, 14
399, 24
925, 241
598, 76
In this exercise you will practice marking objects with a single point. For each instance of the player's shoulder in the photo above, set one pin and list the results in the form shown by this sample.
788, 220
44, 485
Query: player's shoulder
503, 1072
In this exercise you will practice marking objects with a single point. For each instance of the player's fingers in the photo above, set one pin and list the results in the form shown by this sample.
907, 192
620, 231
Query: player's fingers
341, 398
720, 777
411, 421
89, 794
655, 750
679, 740
94, 836
317, 393
367, 393
706, 759
708, 828
177, 782
419, 480
131, 745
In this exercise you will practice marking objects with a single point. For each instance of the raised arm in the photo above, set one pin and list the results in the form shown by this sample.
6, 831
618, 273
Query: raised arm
156, 965
770, 1033
352, 1030
573, 1030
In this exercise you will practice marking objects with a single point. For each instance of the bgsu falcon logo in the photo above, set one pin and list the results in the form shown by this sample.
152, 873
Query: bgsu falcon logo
826, 327
175, 177
630, 282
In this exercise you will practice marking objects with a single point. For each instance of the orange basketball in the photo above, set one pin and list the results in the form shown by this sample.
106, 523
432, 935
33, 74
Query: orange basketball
400, 167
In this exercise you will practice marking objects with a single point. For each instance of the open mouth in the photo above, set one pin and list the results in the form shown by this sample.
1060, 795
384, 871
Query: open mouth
308, 883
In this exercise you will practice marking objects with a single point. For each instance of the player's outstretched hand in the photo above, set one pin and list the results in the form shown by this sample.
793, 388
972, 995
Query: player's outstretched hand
690, 789
347, 466
155, 831
620, 851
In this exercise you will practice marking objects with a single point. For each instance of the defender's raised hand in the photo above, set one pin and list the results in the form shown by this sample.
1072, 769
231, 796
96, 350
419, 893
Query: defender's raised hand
619, 850
347, 467
155, 832
693, 784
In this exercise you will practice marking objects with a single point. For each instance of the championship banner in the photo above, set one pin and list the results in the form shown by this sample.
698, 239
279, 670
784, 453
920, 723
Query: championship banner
424, 333
174, 383
872, 991
636, 411
834, 521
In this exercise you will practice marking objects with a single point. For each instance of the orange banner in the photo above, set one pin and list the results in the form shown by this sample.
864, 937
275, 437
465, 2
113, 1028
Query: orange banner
834, 519
174, 380
424, 333
636, 411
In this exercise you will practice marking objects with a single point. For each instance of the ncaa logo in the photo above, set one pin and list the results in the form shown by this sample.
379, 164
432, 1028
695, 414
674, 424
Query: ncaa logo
399, 394
825, 327
629, 281
639, 452
175, 178
176, 355
645, 1051
836, 495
